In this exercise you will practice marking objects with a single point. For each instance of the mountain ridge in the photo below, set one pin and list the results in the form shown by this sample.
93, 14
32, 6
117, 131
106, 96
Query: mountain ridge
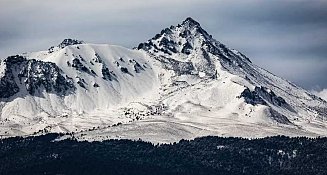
182, 83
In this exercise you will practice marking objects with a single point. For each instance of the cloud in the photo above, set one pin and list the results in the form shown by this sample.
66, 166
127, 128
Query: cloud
322, 94
26, 25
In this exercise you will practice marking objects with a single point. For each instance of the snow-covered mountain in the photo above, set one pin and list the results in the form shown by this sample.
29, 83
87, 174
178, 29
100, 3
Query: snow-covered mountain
182, 83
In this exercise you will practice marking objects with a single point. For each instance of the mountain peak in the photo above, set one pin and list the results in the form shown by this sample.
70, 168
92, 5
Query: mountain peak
183, 38
190, 22
189, 42
182, 72
64, 43
69, 41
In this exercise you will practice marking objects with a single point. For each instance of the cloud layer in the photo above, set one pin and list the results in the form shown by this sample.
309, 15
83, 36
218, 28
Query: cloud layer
285, 37
322, 94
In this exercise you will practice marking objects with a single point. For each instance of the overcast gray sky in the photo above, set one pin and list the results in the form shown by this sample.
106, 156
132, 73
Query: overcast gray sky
288, 38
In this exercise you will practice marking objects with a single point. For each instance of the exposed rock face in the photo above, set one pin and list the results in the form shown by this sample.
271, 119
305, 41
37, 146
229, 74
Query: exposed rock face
33, 75
263, 96
8, 86
179, 67
137, 67
280, 118
77, 64
124, 69
68, 42
107, 74
64, 43
193, 45
252, 97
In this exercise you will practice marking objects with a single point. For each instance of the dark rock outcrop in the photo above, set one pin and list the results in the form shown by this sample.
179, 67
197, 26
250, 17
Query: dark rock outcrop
33, 75
68, 42
252, 97
263, 96
8, 86
77, 64
106, 73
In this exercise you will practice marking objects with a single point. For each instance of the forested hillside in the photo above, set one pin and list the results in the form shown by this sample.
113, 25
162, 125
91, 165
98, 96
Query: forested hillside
207, 155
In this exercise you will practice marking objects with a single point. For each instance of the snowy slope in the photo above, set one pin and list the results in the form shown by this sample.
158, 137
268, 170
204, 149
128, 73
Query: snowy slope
182, 83
106, 78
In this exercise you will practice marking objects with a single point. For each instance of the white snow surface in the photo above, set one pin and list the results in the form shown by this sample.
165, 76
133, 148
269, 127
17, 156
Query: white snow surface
157, 104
